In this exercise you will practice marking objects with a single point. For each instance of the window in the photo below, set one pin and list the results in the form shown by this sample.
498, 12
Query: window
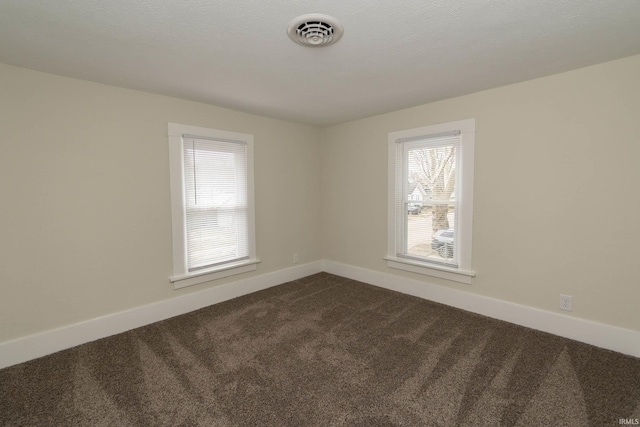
212, 204
434, 239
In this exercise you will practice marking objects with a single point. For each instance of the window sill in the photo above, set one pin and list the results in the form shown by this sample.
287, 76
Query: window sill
218, 272
442, 272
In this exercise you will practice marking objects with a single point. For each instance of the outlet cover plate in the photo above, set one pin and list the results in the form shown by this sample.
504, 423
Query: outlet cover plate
566, 302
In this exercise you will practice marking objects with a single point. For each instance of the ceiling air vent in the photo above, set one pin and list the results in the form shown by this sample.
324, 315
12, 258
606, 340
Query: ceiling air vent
315, 30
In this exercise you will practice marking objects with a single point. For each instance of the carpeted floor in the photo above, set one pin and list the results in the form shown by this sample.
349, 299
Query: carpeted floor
325, 351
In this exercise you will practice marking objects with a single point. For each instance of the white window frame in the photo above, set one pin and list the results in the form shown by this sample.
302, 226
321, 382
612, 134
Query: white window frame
464, 200
181, 276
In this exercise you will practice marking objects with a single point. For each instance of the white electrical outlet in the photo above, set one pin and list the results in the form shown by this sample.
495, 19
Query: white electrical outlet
566, 302
296, 259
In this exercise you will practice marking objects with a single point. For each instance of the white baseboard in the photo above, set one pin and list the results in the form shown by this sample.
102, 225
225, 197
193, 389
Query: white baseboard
622, 340
47, 342
601, 335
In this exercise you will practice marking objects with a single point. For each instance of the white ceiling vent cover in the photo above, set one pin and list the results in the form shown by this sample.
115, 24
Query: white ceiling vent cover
315, 30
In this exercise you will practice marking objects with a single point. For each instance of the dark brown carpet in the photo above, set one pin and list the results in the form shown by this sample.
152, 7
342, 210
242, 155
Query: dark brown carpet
325, 351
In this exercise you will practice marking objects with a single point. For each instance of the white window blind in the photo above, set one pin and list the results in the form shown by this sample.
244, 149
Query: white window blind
427, 173
216, 209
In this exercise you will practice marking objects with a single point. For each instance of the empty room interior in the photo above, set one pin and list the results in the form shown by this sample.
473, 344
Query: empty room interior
320, 213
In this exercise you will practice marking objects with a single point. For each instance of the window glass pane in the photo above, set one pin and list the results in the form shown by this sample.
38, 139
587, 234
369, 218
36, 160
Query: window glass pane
216, 202
430, 171
434, 169
434, 245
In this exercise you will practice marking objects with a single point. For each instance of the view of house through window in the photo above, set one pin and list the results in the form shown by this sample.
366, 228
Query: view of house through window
431, 172
431, 200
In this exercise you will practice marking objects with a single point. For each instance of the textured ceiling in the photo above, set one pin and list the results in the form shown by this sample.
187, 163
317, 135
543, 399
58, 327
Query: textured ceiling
236, 54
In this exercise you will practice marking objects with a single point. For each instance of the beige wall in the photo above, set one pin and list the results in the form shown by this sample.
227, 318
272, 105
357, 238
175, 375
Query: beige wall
557, 204
85, 228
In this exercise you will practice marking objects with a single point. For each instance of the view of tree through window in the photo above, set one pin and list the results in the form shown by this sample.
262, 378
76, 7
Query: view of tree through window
430, 198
